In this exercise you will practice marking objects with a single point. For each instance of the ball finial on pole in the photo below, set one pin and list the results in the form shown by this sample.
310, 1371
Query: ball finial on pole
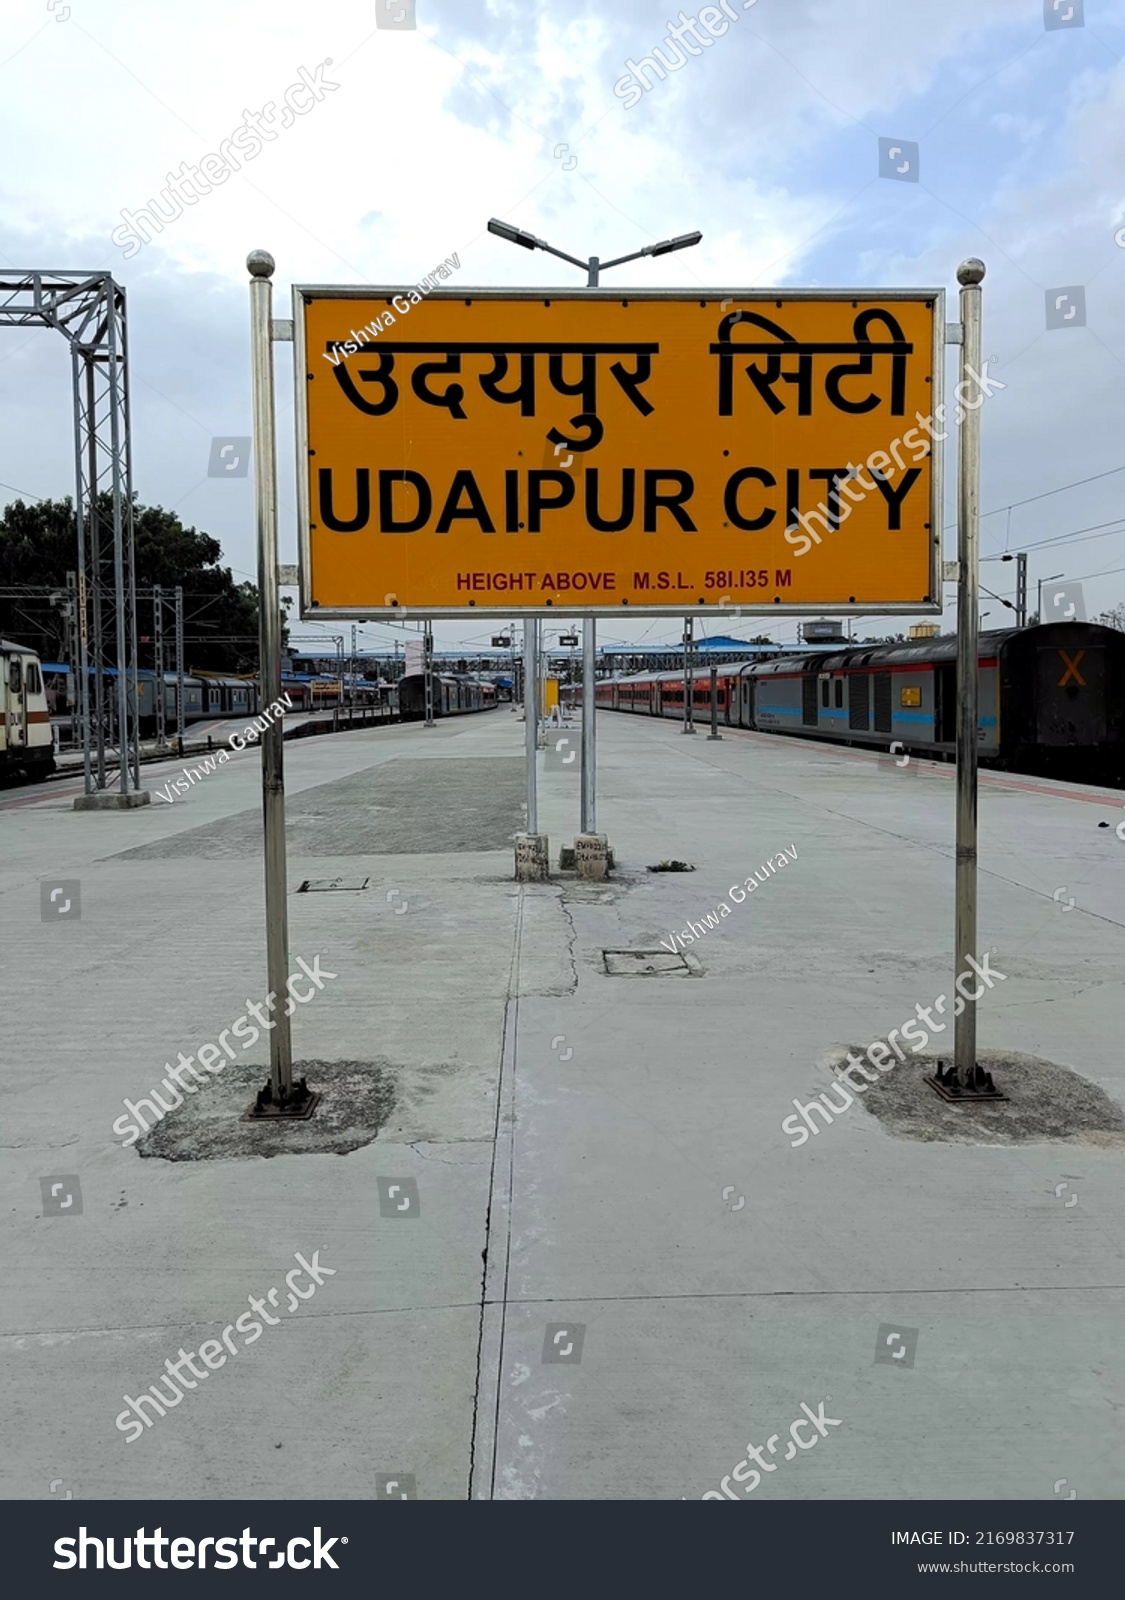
971, 272
260, 264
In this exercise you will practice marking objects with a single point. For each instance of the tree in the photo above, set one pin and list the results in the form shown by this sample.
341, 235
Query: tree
38, 547
1113, 618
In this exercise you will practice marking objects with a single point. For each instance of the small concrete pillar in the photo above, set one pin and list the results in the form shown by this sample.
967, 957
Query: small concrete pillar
533, 861
591, 856
111, 800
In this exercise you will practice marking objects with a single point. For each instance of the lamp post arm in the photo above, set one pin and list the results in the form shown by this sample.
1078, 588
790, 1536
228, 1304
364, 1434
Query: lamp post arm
619, 260
562, 255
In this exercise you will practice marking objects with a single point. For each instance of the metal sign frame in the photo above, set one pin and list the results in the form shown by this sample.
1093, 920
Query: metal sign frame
304, 293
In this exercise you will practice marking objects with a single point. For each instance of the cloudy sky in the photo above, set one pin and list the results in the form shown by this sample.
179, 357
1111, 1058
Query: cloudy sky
768, 142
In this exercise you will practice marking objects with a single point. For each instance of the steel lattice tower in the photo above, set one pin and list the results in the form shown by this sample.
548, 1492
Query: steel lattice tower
89, 309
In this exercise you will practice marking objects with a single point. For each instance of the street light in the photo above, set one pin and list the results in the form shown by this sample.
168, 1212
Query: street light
1039, 597
592, 266
504, 230
594, 269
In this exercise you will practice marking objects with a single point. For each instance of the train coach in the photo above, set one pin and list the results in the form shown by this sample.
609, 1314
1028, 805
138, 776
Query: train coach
453, 694
1051, 698
27, 745
224, 696
204, 697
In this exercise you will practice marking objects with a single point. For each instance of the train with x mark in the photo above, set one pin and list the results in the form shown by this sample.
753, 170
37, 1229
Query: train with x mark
1051, 698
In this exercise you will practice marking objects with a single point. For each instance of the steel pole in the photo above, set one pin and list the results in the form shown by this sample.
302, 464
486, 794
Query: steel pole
96, 598
158, 663
969, 275
260, 266
589, 729
689, 726
428, 674
180, 667
82, 675
531, 717
1039, 594
121, 617
73, 648
714, 734
130, 542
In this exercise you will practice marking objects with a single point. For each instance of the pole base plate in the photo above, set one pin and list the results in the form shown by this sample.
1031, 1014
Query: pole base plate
298, 1105
946, 1083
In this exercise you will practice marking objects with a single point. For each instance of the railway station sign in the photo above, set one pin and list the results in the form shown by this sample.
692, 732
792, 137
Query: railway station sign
500, 452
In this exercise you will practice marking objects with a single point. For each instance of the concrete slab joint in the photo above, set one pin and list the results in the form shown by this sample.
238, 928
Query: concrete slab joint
533, 861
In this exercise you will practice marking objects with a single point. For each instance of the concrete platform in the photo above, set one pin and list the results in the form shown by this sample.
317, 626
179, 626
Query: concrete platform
612, 1269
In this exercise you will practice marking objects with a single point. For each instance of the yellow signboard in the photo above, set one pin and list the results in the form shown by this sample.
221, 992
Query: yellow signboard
501, 452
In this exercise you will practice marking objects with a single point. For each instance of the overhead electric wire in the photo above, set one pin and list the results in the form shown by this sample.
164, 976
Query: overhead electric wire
1046, 495
1077, 535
